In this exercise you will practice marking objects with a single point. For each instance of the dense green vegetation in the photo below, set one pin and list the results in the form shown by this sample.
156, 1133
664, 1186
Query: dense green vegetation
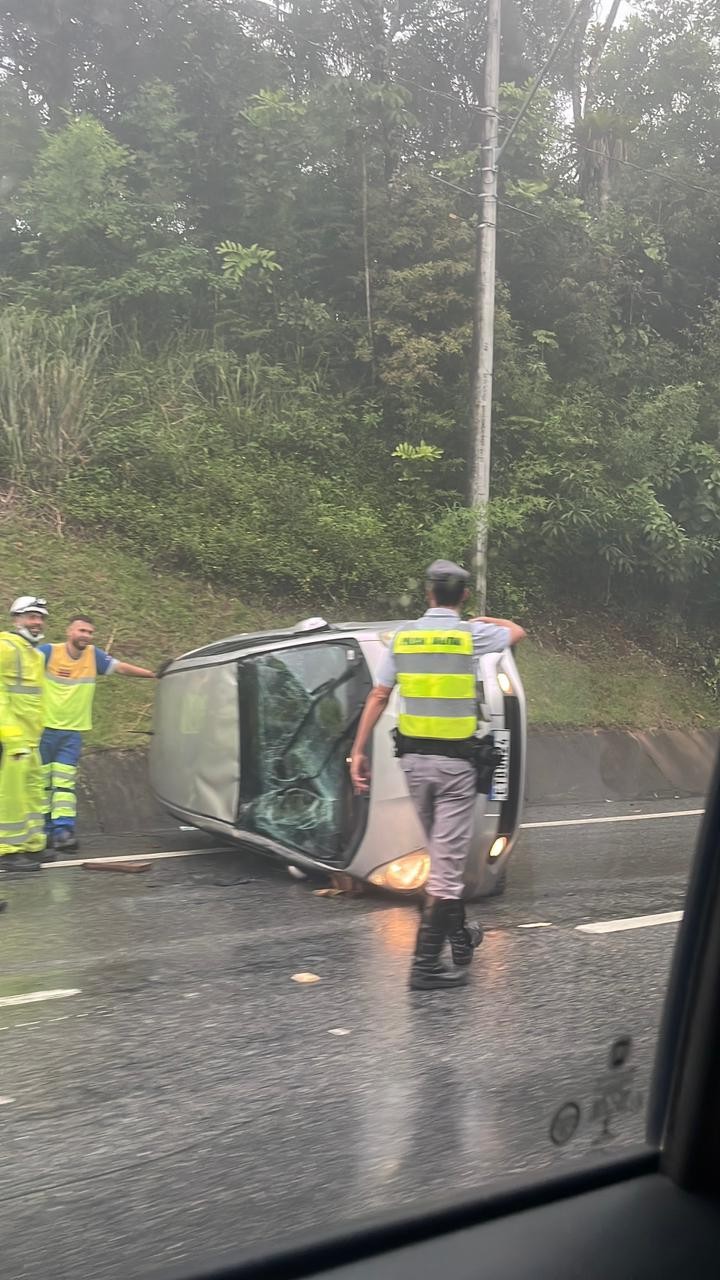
575, 678
236, 246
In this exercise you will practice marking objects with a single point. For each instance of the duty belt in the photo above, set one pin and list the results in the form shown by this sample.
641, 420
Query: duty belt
456, 749
479, 752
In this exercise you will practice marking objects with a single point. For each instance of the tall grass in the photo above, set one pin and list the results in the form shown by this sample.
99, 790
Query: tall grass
48, 368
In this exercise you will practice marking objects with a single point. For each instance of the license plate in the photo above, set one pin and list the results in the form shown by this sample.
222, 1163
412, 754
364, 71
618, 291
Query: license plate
501, 777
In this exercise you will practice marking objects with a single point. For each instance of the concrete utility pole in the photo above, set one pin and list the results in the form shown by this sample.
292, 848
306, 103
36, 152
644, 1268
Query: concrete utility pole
484, 308
486, 233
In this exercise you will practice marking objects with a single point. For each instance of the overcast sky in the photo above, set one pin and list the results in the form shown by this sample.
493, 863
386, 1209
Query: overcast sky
625, 8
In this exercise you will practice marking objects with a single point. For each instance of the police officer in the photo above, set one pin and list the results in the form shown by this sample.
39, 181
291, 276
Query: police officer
434, 661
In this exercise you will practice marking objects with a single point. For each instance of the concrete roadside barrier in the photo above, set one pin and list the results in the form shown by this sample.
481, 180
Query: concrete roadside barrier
586, 766
580, 766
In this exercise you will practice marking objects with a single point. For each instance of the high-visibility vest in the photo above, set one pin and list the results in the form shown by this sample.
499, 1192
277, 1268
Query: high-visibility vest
22, 680
437, 681
70, 688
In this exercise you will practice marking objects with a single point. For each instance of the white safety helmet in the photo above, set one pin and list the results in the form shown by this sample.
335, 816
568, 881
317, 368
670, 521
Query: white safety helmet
29, 604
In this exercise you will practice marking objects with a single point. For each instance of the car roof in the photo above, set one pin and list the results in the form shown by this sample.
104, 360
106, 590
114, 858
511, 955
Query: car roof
251, 639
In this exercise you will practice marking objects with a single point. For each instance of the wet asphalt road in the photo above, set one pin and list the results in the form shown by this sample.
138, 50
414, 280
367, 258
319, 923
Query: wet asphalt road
191, 1101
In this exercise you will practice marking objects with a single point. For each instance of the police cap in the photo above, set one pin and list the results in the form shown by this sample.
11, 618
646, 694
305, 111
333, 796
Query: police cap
446, 571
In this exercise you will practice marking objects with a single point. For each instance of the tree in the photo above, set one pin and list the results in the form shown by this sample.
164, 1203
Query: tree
268, 213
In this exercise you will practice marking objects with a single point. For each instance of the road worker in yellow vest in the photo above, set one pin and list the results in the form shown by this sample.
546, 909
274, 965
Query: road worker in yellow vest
434, 662
72, 669
22, 679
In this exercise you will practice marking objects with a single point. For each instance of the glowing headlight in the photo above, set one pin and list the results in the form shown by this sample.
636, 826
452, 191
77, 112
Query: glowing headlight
498, 846
505, 682
405, 874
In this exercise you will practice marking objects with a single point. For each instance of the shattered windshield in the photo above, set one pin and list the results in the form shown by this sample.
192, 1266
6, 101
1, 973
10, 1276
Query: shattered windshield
299, 710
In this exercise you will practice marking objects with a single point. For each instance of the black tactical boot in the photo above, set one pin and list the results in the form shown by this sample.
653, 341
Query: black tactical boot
20, 862
464, 937
65, 840
428, 972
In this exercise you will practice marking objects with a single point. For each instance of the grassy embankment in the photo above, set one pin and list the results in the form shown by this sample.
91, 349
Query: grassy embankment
145, 616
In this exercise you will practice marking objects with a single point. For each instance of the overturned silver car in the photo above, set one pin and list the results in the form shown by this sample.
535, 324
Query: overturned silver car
251, 740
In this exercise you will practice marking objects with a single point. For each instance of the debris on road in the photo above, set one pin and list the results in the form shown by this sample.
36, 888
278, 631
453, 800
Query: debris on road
104, 864
348, 884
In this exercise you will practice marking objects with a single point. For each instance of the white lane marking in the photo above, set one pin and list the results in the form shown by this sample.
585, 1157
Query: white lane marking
632, 922
32, 997
540, 924
135, 857
197, 853
68, 1017
626, 817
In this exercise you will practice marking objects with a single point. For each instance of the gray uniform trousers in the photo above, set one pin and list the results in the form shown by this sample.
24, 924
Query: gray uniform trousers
444, 793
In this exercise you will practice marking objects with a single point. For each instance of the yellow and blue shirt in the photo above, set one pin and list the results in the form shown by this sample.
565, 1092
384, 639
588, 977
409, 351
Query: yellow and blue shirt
70, 685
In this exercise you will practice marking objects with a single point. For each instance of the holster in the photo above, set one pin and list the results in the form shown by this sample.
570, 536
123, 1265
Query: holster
487, 759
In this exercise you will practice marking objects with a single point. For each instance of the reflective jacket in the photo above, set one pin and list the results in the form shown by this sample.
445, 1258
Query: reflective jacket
437, 681
70, 688
22, 679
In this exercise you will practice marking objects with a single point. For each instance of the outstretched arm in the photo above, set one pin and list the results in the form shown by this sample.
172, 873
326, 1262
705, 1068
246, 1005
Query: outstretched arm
517, 633
127, 669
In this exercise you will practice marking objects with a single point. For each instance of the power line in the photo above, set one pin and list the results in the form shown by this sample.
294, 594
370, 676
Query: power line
464, 190
658, 173
539, 79
651, 173
525, 212
579, 146
502, 115
474, 196
438, 93
553, 231
285, 29
505, 204
449, 97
